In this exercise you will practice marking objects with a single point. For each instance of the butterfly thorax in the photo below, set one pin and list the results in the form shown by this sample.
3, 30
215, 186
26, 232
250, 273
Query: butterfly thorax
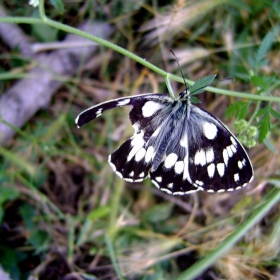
172, 125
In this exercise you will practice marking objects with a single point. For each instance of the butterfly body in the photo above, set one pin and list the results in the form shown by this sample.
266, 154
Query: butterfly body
182, 148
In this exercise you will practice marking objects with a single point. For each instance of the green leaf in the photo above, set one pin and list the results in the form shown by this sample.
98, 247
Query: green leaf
19, 161
159, 212
201, 84
257, 81
264, 123
258, 58
262, 82
38, 238
9, 261
28, 213
58, 4
264, 47
7, 193
98, 213
261, 112
275, 114
43, 32
195, 100
238, 109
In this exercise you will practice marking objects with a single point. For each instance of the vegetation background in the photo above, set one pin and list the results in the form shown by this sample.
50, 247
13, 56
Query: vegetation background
64, 214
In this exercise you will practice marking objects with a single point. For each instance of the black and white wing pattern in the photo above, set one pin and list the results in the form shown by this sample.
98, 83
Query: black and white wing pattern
182, 148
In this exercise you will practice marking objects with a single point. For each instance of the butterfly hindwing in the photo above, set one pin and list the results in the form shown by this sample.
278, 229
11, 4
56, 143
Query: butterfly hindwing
131, 167
132, 161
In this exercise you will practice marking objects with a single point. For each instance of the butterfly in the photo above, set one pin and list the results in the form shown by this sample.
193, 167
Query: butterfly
181, 147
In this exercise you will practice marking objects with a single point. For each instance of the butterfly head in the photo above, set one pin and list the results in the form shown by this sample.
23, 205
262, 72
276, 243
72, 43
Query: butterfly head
185, 95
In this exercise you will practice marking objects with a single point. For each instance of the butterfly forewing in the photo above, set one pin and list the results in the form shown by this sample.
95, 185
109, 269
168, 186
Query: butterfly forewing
180, 146
220, 162
97, 110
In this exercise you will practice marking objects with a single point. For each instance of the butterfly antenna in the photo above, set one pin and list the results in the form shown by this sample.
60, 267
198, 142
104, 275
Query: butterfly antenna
186, 85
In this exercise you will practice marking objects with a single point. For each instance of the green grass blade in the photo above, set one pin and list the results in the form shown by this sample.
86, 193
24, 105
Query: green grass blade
201, 265
113, 256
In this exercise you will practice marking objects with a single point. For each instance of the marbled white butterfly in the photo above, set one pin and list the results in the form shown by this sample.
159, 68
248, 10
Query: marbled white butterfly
182, 148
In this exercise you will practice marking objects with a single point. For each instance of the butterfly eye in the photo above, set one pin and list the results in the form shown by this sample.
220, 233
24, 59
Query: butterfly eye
184, 94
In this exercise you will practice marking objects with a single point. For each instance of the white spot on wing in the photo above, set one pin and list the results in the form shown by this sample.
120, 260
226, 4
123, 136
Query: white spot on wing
170, 185
150, 108
186, 175
149, 154
211, 170
138, 180
210, 130
119, 174
225, 156
199, 183
128, 180
188, 192
141, 175
99, 111
155, 134
140, 154
234, 150
112, 164
123, 102
209, 155
170, 160
240, 165
233, 141
155, 183
229, 151
236, 177
200, 158
131, 174
221, 169
136, 127
76, 120
167, 191
184, 141
159, 179
179, 167
137, 143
